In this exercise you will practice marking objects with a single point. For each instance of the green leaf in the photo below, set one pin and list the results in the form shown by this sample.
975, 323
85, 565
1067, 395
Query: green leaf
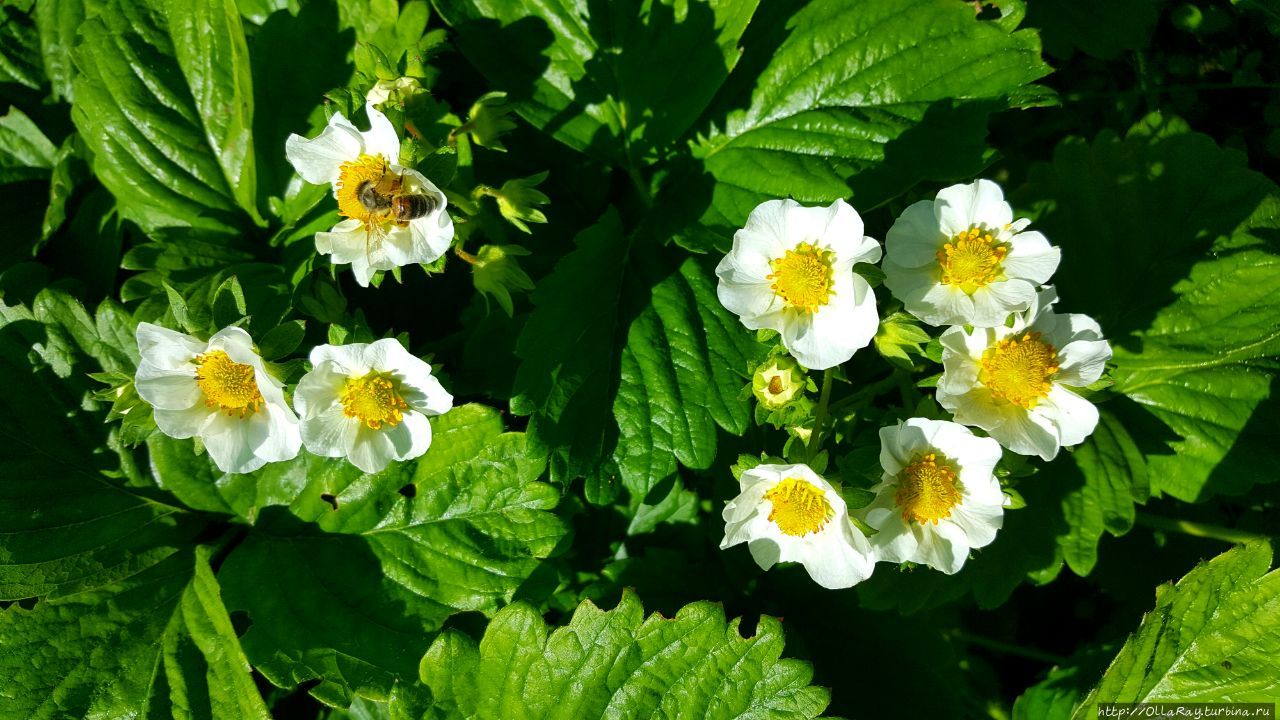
618, 663
19, 49
1214, 636
69, 171
597, 76
25, 152
68, 525
1114, 474
569, 348
1170, 243
619, 329
157, 644
165, 103
57, 22
364, 567
682, 373
857, 101
1054, 698
282, 340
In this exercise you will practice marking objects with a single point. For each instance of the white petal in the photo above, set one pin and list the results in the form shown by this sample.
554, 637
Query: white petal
943, 305
767, 225
346, 242
1032, 258
284, 439
836, 565
381, 139
894, 540
319, 159
959, 207
362, 270
167, 389
228, 441
993, 304
978, 522
1082, 362
432, 235
756, 304
765, 551
372, 450
347, 360
411, 437
329, 433
237, 344
944, 548
833, 333
1021, 431
915, 237
183, 423
166, 349
892, 456
1074, 417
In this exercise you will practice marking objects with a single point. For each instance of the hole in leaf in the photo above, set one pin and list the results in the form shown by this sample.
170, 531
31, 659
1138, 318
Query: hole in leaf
241, 622
987, 11
333, 501
409, 490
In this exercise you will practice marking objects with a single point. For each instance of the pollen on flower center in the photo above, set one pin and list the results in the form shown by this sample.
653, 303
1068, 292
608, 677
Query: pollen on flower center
1019, 369
227, 385
972, 259
374, 399
927, 489
803, 277
799, 508
352, 177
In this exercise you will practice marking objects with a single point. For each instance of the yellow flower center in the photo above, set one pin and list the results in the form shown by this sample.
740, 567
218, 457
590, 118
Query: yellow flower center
927, 489
374, 399
775, 385
972, 259
1019, 369
799, 508
803, 277
353, 176
227, 385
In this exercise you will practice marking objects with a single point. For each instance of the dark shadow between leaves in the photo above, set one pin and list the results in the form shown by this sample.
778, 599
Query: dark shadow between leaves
295, 60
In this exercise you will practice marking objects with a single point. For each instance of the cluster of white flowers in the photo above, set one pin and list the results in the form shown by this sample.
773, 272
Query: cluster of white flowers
1009, 361
367, 402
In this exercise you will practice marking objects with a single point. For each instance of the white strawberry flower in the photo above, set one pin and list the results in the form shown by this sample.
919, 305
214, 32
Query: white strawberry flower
368, 403
788, 513
394, 215
962, 259
939, 496
791, 270
1014, 382
219, 391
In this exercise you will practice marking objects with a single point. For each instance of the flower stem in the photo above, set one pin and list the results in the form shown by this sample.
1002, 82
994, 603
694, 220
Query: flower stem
820, 416
866, 393
1010, 648
1196, 529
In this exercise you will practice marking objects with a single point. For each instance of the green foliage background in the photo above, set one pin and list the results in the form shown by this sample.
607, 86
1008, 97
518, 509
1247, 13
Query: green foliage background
555, 553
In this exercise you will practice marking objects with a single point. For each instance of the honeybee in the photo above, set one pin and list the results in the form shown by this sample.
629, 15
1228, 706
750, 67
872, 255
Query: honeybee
388, 201
386, 197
